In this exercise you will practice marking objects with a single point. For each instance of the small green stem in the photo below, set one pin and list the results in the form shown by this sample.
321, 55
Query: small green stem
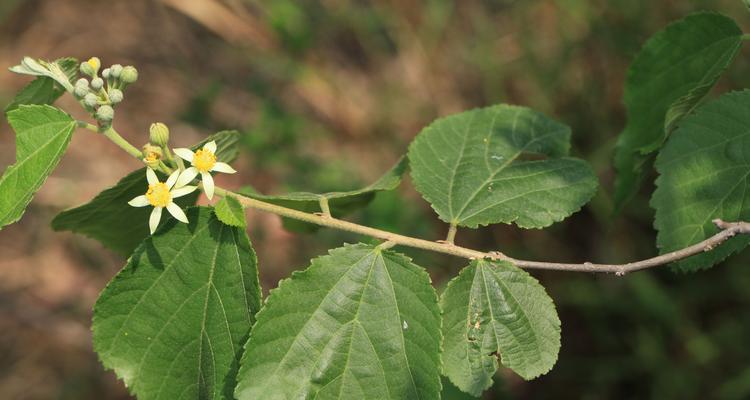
115, 137
746, 36
451, 233
324, 206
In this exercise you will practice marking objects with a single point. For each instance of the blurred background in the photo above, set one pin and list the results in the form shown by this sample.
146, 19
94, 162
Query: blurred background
327, 95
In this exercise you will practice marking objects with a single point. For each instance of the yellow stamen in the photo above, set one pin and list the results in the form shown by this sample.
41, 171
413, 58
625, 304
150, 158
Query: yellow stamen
204, 160
94, 63
158, 194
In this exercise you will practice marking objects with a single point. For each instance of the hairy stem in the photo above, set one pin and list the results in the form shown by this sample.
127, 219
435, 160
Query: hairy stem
727, 231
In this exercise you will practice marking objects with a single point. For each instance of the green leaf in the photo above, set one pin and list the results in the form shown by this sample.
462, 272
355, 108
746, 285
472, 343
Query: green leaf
359, 323
491, 310
42, 136
109, 219
500, 164
340, 203
673, 72
704, 174
44, 90
172, 323
230, 211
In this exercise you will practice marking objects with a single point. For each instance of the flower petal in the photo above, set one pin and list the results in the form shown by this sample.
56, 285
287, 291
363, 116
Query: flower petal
139, 201
185, 154
223, 167
179, 192
208, 184
186, 177
210, 146
151, 176
153, 221
177, 212
172, 179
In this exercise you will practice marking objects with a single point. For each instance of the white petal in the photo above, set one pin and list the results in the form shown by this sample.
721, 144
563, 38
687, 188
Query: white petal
186, 177
223, 167
151, 176
172, 179
153, 221
185, 154
140, 201
210, 146
177, 212
183, 191
208, 184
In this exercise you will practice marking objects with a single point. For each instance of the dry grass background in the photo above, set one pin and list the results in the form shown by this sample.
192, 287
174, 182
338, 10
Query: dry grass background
363, 77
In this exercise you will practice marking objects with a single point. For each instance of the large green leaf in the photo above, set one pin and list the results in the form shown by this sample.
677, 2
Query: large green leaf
360, 323
705, 174
45, 90
491, 310
340, 203
42, 136
675, 69
109, 219
172, 323
500, 164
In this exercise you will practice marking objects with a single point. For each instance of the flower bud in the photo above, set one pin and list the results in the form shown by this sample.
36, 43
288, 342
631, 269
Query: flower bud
83, 82
90, 100
97, 83
115, 95
105, 114
129, 75
106, 73
80, 91
91, 67
115, 70
158, 134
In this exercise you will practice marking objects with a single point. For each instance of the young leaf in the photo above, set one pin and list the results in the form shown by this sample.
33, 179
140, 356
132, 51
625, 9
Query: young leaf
359, 323
230, 212
42, 136
109, 219
172, 323
491, 310
340, 203
44, 90
704, 174
500, 164
675, 69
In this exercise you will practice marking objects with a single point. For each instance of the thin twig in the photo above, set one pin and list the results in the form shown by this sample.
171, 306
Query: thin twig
727, 231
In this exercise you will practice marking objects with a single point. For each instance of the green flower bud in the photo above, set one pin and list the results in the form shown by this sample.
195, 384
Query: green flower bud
97, 83
106, 73
158, 134
80, 91
90, 100
105, 114
115, 70
129, 74
115, 95
83, 82
91, 67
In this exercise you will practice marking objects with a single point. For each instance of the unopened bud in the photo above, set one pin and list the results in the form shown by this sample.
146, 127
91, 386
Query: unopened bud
152, 155
106, 73
91, 67
83, 82
80, 91
115, 70
97, 83
115, 96
158, 134
129, 74
105, 114
90, 100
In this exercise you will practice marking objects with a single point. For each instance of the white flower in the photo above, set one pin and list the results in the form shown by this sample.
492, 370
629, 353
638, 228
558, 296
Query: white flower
161, 195
204, 162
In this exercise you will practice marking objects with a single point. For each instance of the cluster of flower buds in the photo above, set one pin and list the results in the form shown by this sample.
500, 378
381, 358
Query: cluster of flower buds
101, 94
